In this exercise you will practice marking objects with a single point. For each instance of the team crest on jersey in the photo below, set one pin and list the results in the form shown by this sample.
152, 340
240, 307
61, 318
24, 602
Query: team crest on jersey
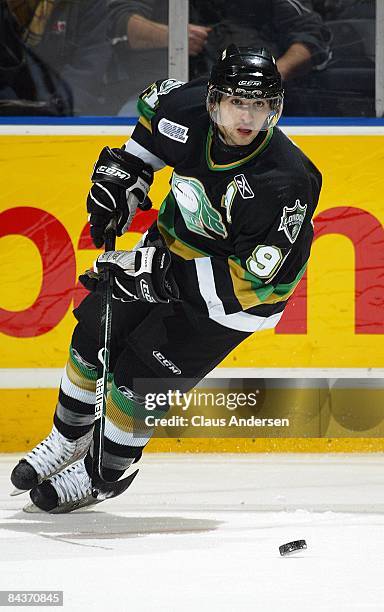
292, 220
173, 130
198, 212
244, 187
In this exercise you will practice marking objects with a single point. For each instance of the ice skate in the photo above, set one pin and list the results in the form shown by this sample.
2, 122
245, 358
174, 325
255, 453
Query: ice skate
64, 492
49, 457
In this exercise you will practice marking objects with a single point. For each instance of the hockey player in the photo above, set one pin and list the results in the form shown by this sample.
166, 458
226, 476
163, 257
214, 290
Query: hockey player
231, 243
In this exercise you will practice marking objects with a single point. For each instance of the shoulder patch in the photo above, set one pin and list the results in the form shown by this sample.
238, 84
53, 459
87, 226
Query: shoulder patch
148, 102
173, 130
244, 187
292, 219
168, 85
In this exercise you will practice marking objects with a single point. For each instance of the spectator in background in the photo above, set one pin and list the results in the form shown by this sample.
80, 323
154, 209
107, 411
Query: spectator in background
68, 38
294, 32
345, 9
290, 28
347, 87
27, 85
139, 33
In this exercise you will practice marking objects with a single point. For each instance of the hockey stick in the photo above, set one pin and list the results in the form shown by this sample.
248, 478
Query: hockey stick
101, 488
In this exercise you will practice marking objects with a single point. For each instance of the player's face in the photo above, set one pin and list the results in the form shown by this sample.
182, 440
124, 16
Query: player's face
240, 119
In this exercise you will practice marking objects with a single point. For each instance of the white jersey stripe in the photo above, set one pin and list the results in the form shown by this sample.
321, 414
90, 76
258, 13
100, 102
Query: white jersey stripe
241, 321
133, 147
207, 287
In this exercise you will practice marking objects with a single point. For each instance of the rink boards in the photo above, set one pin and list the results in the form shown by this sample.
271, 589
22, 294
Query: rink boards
335, 321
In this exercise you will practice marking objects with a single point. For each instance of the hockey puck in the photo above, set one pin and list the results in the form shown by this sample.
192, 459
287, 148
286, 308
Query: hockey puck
292, 547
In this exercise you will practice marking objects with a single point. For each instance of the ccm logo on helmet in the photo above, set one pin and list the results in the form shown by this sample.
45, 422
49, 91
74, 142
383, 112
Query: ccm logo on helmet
113, 172
250, 83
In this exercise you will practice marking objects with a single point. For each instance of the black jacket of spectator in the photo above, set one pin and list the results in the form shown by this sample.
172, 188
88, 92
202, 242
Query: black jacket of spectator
345, 9
28, 86
137, 68
62, 74
276, 24
75, 45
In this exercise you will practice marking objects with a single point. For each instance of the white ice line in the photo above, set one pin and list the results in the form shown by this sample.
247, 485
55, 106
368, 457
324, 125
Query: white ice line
49, 378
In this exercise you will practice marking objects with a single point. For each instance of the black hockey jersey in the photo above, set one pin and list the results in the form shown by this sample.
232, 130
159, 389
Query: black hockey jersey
236, 220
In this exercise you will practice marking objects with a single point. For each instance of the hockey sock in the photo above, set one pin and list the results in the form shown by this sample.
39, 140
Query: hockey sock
75, 408
126, 432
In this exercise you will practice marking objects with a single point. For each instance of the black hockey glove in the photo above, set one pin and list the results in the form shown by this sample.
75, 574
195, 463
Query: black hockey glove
143, 275
121, 183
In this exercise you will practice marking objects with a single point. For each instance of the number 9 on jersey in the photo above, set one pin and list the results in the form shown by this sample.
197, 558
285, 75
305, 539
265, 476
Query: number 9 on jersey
264, 261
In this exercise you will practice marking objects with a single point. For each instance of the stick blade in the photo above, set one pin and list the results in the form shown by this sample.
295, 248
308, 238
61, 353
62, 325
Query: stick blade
102, 489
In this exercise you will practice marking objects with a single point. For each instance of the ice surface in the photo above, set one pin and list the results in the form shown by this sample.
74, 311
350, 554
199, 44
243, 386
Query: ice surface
201, 532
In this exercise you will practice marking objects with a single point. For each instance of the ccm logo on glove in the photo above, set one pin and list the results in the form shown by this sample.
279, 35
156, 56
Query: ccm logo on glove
121, 182
113, 172
146, 292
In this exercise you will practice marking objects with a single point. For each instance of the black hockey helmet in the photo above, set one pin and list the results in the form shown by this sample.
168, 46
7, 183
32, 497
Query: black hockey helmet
249, 73
246, 72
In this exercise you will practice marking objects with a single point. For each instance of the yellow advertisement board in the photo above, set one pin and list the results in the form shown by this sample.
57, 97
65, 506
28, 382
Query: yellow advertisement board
334, 320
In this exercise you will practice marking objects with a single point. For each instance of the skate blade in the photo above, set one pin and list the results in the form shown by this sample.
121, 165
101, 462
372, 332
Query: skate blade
18, 492
31, 508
